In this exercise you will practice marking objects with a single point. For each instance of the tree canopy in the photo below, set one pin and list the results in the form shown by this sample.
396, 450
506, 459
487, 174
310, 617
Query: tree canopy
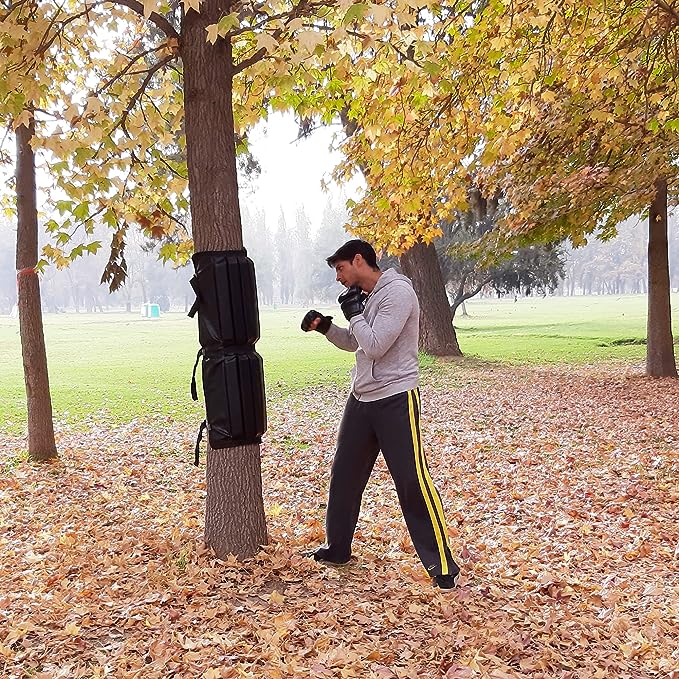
569, 110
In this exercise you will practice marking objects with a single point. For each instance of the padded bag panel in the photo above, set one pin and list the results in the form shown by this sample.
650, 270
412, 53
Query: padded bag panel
233, 385
226, 293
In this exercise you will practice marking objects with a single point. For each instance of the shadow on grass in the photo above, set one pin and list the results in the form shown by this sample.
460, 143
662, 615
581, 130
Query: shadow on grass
533, 328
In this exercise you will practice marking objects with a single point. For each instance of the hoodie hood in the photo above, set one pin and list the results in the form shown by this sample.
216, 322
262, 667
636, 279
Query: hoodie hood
389, 276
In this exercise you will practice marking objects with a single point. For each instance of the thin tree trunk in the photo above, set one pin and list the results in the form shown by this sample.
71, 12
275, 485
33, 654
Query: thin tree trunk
660, 361
437, 334
41, 444
234, 511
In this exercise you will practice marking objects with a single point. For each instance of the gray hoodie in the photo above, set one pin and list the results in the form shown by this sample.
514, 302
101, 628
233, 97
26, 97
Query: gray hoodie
385, 339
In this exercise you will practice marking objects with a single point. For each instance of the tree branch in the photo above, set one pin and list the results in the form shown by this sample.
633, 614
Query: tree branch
299, 10
157, 19
46, 43
468, 295
666, 7
258, 26
174, 219
172, 170
460, 288
125, 70
138, 94
253, 59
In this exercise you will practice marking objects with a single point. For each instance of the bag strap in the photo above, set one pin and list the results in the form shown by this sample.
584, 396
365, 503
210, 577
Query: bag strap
196, 453
194, 308
194, 390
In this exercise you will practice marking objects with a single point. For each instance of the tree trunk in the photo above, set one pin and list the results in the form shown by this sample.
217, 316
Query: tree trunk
234, 511
437, 334
41, 444
660, 360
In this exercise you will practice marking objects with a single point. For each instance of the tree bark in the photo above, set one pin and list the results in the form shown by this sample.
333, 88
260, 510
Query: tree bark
437, 334
660, 361
41, 444
234, 511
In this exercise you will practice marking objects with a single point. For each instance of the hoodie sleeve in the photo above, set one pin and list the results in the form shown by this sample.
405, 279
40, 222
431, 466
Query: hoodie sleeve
393, 312
341, 338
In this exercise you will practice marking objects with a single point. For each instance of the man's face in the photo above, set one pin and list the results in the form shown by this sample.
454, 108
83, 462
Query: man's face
346, 273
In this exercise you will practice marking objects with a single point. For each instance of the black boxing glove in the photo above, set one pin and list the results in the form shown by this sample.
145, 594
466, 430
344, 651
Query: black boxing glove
352, 302
322, 327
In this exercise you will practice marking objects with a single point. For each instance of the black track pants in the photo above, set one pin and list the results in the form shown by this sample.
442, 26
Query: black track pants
391, 425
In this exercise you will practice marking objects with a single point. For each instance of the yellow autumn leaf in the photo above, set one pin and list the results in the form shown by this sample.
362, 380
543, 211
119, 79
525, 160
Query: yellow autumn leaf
212, 33
71, 113
72, 629
24, 118
380, 13
191, 4
150, 6
266, 41
310, 39
599, 115
276, 597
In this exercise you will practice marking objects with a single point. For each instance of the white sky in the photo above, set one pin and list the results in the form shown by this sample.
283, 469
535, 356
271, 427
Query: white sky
292, 171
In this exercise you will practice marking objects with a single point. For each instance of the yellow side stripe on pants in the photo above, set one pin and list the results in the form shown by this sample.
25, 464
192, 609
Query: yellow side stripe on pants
434, 493
423, 488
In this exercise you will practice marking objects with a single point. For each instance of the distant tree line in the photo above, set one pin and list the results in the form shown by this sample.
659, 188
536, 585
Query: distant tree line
617, 267
291, 268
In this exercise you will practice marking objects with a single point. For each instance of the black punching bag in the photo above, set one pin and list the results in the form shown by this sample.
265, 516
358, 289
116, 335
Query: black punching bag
228, 328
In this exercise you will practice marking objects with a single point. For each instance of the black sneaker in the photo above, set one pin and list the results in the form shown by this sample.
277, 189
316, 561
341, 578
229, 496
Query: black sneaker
447, 581
322, 555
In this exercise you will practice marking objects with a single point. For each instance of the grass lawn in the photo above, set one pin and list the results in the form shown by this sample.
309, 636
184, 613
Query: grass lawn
121, 366
557, 329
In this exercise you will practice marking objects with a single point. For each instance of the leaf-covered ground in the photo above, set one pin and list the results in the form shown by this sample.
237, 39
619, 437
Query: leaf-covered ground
561, 488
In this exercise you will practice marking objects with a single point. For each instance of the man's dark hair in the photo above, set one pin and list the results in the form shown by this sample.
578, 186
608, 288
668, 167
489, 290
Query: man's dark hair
352, 248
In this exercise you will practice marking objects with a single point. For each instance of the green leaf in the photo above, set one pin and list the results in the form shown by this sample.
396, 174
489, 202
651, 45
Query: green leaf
83, 154
166, 204
167, 252
82, 211
110, 218
77, 252
431, 68
62, 238
227, 23
355, 13
64, 206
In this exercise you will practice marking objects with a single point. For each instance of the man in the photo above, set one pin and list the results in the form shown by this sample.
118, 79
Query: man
383, 410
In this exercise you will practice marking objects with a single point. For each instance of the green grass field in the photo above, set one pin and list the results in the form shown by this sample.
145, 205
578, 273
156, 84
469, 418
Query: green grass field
121, 366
